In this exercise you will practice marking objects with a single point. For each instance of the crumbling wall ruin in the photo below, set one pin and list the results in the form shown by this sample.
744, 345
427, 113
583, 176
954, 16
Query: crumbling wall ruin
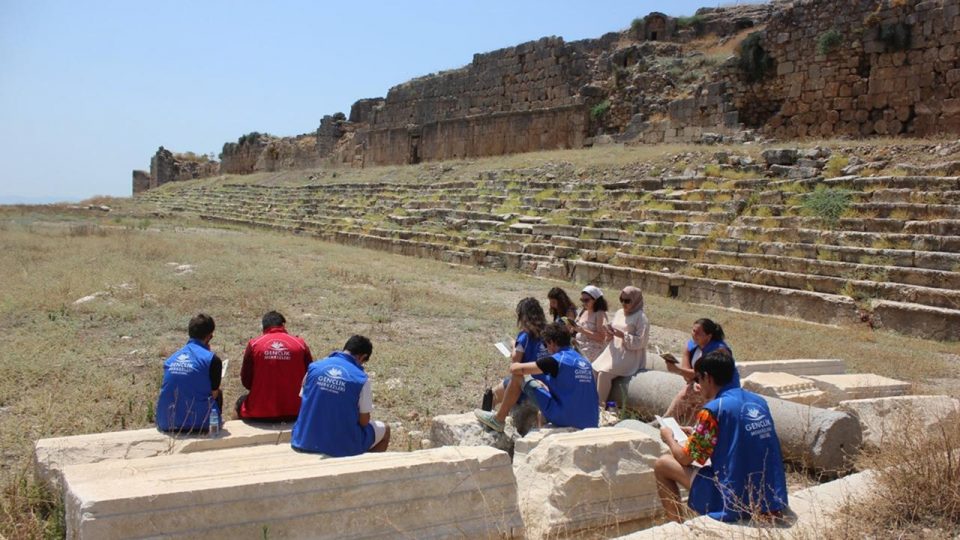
861, 68
165, 166
814, 68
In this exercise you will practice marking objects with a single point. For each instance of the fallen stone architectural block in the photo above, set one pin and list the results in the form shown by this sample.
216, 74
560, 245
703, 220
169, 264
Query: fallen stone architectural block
646, 429
465, 430
812, 514
800, 366
820, 439
590, 479
784, 386
276, 492
52, 455
858, 386
882, 417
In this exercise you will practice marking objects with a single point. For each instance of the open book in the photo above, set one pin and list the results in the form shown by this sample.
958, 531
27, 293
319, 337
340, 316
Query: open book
667, 357
678, 434
503, 348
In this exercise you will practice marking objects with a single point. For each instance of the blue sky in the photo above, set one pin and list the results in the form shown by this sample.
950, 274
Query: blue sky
89, 90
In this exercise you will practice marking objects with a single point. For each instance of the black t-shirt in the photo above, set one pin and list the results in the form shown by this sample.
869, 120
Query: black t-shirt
549, 365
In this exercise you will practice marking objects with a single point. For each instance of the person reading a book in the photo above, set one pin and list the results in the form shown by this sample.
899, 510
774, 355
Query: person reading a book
561, 385
735, 431
705, 337
274, 365
528, 347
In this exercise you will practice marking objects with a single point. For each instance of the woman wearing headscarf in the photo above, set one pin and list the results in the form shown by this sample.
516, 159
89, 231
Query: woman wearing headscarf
592, 338
627, 352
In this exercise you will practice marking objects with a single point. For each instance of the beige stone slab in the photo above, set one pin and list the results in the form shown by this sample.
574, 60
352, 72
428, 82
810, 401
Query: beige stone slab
590, 479
797, 366
881, 418
859, 386
784, 386
53, 454
276, 492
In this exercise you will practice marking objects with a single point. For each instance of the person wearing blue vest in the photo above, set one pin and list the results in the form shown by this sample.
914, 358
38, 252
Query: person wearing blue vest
337, 400
735, 431
191, 382
561, 385
706, 337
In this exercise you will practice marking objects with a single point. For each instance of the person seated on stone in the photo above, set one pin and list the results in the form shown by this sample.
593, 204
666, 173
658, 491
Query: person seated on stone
626, 353
562, 308
528, 347
337, 401
735, 431
706, 337
191, 382
591, 337
273, 368
561, 385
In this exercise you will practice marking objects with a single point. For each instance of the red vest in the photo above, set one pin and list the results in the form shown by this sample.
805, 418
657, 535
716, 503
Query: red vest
273, 368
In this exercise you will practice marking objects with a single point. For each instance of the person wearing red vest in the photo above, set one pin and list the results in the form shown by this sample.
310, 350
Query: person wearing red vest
274, 365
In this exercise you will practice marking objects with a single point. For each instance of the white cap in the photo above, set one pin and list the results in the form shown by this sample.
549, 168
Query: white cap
593, 291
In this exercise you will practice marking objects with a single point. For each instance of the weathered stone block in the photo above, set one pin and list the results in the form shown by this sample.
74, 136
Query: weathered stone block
52, 455
858, 386
589, 479
466, 430
882, 417
784, 386
799, 366
466, 492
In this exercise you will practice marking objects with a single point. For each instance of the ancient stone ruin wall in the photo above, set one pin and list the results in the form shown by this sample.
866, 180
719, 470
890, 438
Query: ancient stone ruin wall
513, 100
165, 166
858, 68
141, 181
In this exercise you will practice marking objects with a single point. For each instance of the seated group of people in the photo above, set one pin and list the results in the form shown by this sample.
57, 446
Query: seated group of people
565, 368
731, 461
330, 400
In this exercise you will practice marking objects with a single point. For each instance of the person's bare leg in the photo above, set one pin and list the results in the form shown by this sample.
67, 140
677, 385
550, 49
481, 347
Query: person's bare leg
510, 397
498, 393
670, 476
384, 442
604, 383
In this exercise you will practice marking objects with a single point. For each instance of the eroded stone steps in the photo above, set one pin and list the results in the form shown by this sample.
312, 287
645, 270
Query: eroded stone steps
918, 242
895, 274
930, 260
854, 288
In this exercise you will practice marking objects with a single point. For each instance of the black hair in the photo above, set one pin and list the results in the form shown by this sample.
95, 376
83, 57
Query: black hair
530, 316
712, 329
556, 333
718, 364
564, 304
600, 304
358, 345
273, 318
200, 326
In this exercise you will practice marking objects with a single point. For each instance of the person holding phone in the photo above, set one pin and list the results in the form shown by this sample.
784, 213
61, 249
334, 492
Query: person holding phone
705, 337
626, 353
591, 336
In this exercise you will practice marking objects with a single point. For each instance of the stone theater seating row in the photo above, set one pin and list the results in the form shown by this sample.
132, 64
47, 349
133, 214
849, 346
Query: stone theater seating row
274, 492
893, 256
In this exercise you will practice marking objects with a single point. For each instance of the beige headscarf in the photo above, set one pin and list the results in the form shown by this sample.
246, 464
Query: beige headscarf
636, 299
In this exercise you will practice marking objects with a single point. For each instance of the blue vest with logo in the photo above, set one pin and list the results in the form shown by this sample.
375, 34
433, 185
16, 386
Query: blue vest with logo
573, 398
184, 403
709, 348
330, 412
746, 471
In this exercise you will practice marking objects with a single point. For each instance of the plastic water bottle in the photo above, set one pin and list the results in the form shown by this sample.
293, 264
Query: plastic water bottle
611, 407
214, 430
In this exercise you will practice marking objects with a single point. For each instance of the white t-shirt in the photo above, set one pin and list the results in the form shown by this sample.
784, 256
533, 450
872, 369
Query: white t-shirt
366, 398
